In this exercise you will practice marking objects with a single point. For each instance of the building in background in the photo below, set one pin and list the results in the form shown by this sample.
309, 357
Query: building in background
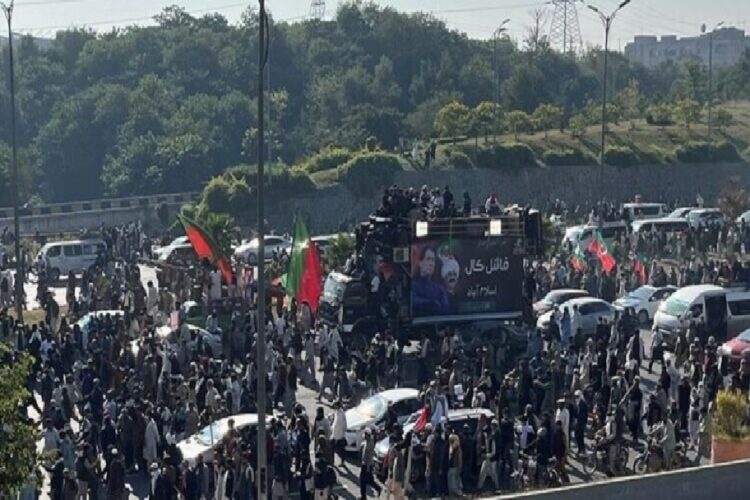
729, 45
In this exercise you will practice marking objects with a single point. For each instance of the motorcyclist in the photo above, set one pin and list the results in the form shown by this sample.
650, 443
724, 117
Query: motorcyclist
609, 439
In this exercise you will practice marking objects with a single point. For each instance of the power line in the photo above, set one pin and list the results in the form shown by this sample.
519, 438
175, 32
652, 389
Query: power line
565, 28
132, 19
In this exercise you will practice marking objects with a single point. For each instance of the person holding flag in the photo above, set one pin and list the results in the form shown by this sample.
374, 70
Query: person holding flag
598, 248
302, 281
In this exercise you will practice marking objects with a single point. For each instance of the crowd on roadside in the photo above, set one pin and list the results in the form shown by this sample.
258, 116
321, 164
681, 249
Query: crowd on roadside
114, 398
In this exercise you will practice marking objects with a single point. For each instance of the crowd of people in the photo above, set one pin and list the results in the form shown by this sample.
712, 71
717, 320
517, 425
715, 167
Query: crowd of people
113, 397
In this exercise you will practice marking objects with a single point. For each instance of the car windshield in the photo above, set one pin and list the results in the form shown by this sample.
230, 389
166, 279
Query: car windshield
372, 407
744, 336
211, 434
641, 293
674, 306
680, 212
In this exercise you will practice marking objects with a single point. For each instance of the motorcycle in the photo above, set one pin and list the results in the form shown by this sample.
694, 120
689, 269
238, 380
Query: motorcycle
597, 459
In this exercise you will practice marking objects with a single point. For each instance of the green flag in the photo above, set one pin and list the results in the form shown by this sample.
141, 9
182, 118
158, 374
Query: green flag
297, 258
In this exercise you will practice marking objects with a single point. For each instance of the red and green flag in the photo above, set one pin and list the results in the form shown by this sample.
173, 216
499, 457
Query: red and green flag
205, 246
304, 275
578, 260
598, 248
639, 267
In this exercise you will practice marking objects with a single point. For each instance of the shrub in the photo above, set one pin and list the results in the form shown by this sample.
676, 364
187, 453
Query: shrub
704, 152
366, 173
277, 178
621, 156
458, 160
326, 160
660, 115
566, 157
216, 194
730, 414
507, 156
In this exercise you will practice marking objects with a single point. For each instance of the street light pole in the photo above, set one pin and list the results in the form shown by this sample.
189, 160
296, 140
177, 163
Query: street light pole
495, 36
262, 480
607, 23
711, 81
8, 11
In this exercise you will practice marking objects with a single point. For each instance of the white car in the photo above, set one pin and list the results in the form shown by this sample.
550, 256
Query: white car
371, 413
590, 310
248, 251
680, 213
169, 338
645, 301
206, 441
745, 217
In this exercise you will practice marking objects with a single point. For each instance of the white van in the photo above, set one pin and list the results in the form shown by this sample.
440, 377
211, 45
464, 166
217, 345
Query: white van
62, 257
637, 211
666, 225
724, 311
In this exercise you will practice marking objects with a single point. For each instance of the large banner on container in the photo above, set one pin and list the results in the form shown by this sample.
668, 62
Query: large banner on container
452, 279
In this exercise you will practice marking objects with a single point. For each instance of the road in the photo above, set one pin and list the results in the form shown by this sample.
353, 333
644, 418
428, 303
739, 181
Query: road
349, 475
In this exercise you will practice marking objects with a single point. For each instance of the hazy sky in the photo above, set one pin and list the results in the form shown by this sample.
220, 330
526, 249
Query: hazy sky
478, 18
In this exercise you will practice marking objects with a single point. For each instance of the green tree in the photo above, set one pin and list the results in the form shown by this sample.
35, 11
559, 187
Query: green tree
339, 251
631, 103
19, 459
577, 126
546, 117
519, 122
489, 118
452, 120
687, 112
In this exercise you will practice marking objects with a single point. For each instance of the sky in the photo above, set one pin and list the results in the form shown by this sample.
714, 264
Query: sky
477, 18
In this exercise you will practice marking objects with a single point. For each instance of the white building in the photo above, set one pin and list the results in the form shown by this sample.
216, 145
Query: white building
728, 46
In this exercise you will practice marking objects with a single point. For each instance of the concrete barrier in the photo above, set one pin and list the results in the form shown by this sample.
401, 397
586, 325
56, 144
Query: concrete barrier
729, 481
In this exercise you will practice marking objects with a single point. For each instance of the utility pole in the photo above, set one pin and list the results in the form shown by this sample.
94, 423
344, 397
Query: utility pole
8, 11
496, 67
711, 79
565, 28
318, 10
607, 23
262, 480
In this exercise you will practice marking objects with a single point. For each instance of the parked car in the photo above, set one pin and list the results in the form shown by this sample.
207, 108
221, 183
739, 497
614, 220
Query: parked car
680, 213
73, 255
590, 310
645, 301
371, 413
636, 211
198, 337
248, 251
733, 351
581, 236
557, 297
456, 420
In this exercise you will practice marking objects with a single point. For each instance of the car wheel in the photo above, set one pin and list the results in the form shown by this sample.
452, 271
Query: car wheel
643, 318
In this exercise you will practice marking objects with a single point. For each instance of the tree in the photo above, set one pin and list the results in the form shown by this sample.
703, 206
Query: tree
18, 453
631, 103
687, 112
339, 251
518, 122
577, 126
734, 199
546, 117
489, 118
452, 120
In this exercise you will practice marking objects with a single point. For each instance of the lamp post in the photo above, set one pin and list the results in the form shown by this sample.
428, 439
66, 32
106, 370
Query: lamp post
495, 37
8, 11
607, 23
261, 323
711, 79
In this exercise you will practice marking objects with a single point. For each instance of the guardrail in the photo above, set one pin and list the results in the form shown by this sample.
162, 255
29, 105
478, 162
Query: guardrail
103, 204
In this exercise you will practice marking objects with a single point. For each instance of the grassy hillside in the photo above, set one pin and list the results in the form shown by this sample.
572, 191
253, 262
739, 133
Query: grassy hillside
642, 138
